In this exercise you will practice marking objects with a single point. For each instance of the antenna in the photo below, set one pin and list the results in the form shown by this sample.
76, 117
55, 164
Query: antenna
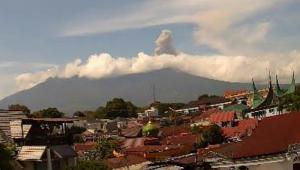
154, 97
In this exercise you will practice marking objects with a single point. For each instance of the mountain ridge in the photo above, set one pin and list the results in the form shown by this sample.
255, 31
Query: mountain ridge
77, 93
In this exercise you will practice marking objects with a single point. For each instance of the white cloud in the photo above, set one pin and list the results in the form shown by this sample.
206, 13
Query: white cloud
222, 25
221, 67
228, 68
28, 80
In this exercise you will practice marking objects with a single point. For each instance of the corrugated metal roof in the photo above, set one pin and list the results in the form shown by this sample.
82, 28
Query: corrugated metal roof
16, 129
31, 153
6, 117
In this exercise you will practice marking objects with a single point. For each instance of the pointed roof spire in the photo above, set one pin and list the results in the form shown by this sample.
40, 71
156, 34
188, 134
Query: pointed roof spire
292, 87
279, 92
253, 86
257, 98
293, 78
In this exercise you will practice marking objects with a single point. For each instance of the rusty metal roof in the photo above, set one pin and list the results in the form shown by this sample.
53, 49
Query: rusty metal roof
31, 153
16, 129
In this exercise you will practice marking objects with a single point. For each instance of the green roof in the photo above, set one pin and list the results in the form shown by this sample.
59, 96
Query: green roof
257, 99
150, 129
290, 90
236, 107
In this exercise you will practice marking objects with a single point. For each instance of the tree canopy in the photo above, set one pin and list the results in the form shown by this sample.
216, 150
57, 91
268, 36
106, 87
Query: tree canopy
212, 135
163, 108
48, 113
104, 149
117, 107
19, 107
5, 157
291, 101
79, 114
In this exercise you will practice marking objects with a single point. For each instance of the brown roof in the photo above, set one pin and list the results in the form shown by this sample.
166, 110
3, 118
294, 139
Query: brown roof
136, 142
242, 129
182, 139
222, 116
124, 161
132, 132
190, 159
84, 147
175, 130
205, 115
273, 135
152, 148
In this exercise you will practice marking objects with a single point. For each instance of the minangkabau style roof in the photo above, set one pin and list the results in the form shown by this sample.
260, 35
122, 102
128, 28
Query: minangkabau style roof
258, 101
257, 98
290, 90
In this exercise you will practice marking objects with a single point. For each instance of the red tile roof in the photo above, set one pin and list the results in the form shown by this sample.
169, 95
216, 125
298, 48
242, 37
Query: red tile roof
242, 129
222, 117
273, 135
205, 115
175, 130
120, 162
84, 147
152, 148
136, 142
182, 139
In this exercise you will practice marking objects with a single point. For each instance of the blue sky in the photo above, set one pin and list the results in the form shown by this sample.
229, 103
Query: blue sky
37, 35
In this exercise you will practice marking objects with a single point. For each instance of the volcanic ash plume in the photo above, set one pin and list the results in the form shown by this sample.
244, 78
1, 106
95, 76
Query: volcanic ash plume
164, 43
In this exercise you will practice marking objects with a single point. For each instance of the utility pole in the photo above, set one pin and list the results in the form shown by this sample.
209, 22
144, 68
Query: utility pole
49, 161
153, 93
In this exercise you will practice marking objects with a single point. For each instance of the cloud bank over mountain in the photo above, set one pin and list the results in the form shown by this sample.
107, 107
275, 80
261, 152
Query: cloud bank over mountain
220, 67
231, 27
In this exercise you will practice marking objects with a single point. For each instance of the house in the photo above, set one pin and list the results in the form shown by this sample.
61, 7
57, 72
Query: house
5, 118
152, 112
84, 148
241, 129
104, 125
204, 104
38, 157
223, 119
157, 152
45, 144
269, 106
273, 145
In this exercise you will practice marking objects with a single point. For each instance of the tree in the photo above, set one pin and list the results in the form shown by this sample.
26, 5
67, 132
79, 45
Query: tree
203, 96
48, 113
212, 135
104, 148
5, 157
100, 112
79, 114
164, 108
18, 107
291, 101
117, 107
